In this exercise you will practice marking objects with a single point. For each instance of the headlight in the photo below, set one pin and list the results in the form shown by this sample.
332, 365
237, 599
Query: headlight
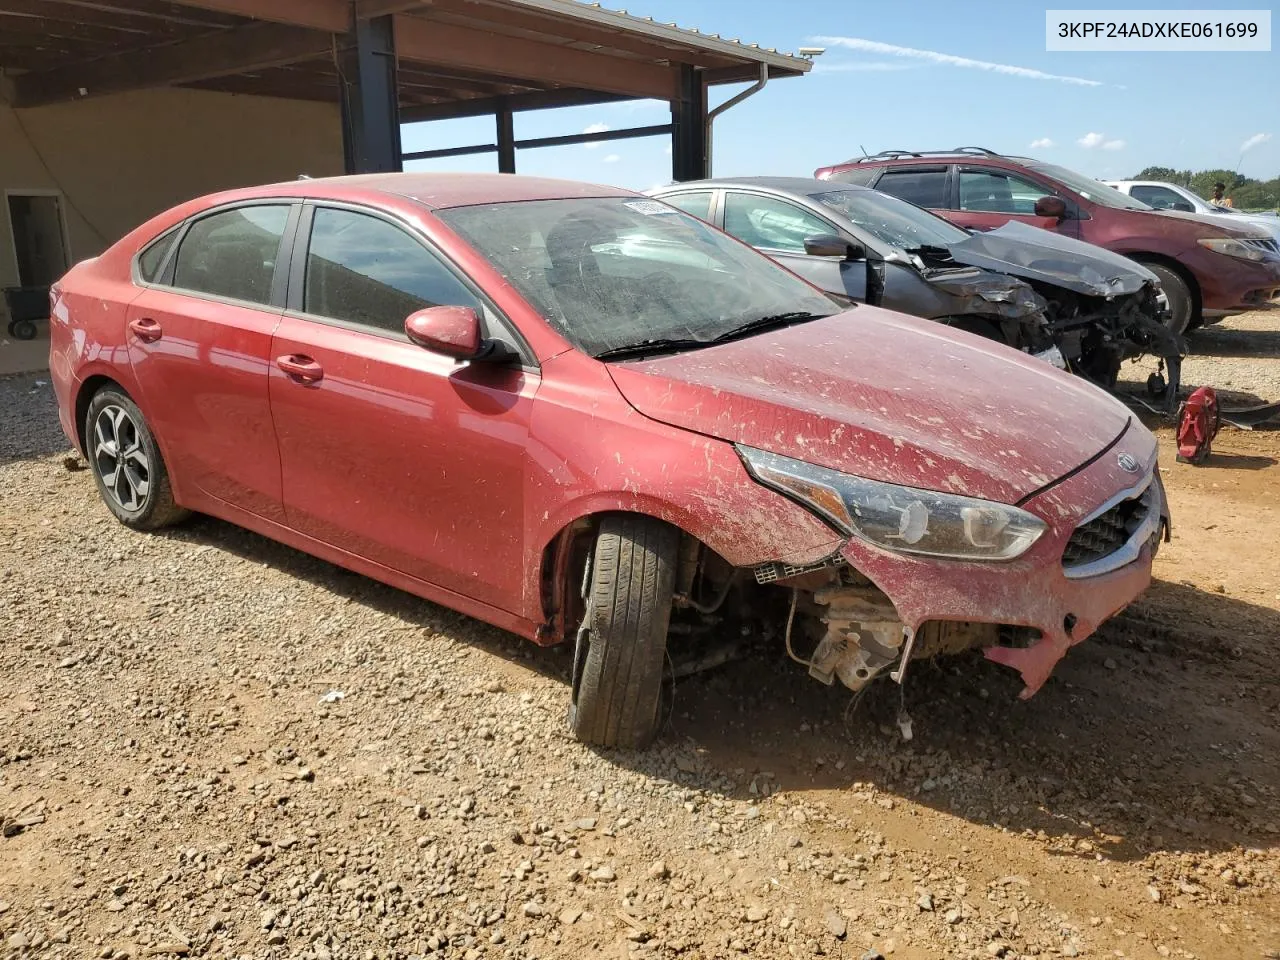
903, 519
1233, 248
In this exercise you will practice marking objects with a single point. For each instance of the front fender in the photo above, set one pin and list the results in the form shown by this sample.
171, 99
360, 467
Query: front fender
590, 452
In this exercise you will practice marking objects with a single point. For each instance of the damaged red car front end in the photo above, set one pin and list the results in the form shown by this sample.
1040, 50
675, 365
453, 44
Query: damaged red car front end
1105, 523
970, 522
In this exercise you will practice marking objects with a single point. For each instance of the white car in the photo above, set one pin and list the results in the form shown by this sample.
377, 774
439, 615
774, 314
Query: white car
1170, 196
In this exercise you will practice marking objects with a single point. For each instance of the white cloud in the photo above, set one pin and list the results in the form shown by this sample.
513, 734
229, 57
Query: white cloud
612, 158
1256, 140
1042, 144
595, 128
949, 60
862, 66
1091, 140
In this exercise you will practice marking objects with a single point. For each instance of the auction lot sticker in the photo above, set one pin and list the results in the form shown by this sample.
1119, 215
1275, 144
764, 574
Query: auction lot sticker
1127, 30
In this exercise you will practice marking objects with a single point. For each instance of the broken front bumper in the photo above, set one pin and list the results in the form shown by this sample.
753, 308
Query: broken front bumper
1065, 603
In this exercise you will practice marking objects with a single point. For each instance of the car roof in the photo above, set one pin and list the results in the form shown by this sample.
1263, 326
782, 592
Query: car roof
433, 190
805, 186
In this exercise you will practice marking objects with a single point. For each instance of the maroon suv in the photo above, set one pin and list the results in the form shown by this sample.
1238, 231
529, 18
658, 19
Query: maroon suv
1208, 270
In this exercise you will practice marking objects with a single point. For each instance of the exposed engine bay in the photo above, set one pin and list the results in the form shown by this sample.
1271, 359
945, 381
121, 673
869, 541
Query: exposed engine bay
1096, 318
831, 620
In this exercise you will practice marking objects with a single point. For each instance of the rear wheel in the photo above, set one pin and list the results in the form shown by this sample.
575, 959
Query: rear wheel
1177, 296
617, 683
126, 463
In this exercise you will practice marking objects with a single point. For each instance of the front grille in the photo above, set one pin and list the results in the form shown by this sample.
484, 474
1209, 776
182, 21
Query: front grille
1270, 244
1109, 531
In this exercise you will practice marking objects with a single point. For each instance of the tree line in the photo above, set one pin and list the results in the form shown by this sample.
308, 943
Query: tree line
1246, 193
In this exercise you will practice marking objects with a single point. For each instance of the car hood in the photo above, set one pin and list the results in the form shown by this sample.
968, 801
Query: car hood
888, 397
1210, 225
1034, 254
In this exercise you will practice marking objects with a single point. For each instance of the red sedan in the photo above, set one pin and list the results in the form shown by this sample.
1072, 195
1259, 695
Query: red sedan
584, 416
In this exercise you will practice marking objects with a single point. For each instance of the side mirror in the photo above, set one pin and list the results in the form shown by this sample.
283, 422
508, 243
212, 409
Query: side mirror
829, 245
452, 331
1183, 206
1054, 207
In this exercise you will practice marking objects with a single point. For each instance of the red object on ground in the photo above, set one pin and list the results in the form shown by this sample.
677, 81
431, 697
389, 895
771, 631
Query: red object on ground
1198, 423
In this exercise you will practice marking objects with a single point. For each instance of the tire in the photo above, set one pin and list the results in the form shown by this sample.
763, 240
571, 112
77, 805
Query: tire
126, 463
23, 329
1181, 303
618, 677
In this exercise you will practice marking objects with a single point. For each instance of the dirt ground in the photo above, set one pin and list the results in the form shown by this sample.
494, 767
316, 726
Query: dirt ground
213, 745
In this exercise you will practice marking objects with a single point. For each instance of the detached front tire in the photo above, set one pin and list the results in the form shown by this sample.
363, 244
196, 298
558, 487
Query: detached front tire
618, 663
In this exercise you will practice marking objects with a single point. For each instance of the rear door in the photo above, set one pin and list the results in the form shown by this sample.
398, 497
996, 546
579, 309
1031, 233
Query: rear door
926, 185
779, 228
988, 197
200, 344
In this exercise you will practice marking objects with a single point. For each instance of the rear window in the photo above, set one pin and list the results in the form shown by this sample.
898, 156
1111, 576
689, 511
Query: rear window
152, 258
859, 175
924, 188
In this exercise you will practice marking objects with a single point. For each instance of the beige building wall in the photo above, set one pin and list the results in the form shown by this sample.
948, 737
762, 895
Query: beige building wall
118, 160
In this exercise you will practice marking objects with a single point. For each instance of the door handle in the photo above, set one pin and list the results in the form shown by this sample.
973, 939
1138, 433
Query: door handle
146, 329
300, 367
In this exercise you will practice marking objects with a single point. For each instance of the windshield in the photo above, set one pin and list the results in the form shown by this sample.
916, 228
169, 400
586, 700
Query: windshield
611, 272
893, 221
1090, 189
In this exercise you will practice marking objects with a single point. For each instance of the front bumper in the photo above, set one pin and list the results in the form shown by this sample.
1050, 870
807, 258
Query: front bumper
1035, 590
1238, 286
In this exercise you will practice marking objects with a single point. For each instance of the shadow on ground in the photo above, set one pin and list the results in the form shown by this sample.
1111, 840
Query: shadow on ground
1219, 341
1157, 734
357, 588
31, 416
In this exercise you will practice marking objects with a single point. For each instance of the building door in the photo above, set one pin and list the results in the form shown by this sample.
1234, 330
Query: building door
39, 243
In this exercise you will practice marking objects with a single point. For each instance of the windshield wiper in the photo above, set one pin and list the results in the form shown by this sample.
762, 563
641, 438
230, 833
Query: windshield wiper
647, 348
765, 323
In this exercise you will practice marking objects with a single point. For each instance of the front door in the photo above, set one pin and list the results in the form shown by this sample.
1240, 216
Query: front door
991, 197
200, 342
391, 452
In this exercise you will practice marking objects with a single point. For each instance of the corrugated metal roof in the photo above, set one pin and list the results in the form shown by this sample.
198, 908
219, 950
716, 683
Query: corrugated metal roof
695, 39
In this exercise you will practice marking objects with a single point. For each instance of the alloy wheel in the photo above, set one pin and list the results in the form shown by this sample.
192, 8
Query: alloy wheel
120, 458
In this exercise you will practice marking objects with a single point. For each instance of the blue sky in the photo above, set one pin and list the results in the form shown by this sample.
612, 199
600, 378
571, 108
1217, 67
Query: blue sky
1104, 114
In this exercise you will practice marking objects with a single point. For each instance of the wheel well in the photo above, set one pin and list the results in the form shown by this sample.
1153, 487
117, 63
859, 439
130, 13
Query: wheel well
1187, 277
87, 390
562, 564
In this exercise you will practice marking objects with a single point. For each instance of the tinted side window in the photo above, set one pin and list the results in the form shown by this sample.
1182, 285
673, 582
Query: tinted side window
996, 191
773, 224
1162, 198
152, 258
924, 188
364, 270
697, 203
233, 253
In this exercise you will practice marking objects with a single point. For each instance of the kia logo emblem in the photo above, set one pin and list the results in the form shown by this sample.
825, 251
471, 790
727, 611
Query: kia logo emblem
1127, 463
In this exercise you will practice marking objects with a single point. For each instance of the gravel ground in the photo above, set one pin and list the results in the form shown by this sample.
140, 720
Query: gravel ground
212, 745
